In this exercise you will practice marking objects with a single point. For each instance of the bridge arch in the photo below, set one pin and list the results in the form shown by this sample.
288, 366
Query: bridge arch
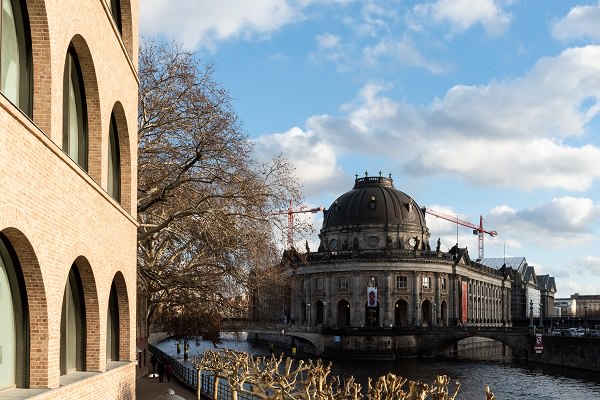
436, 342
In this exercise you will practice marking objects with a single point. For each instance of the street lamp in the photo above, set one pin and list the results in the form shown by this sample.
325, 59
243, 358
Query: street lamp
324, 313
308, 314
531, 325
434, 314
541, 324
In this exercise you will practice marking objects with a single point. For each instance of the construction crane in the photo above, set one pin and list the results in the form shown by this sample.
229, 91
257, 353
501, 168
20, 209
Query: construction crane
290, 213
477, 230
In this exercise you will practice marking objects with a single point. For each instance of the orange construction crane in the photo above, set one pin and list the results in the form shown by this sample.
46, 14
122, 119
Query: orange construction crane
477, 230
290, 213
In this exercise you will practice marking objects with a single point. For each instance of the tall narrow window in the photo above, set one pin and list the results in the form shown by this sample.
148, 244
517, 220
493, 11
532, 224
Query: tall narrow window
72, 326
114, 161
14, 329
15, 55
74, 111
112, 326
115, 10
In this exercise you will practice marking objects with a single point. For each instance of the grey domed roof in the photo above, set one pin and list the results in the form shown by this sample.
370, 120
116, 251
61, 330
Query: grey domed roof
374, 201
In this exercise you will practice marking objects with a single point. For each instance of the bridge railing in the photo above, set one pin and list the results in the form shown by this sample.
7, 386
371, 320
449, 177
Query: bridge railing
188, 375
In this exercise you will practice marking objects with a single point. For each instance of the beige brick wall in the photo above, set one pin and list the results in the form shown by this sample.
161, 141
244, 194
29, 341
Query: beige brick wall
54, 213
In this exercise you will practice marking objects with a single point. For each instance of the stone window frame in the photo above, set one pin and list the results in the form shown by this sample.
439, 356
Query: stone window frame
401, 279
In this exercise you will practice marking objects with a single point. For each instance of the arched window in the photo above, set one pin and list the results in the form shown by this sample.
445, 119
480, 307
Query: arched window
15, 55
14, 329
343, 313
72, 325
115, 10
114, 161
401, 313
75, 136
112, 326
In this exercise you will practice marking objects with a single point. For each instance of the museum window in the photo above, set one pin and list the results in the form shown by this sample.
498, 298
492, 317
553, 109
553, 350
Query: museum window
343, 282
372, 281
426, 282
115, 10
14, 330
401, 282
72, 325
372, 203
75, 136
15, 55
112, 326
318, 283
114, 161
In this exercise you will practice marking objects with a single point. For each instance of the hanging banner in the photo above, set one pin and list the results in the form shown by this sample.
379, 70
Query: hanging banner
371, 297
464, 305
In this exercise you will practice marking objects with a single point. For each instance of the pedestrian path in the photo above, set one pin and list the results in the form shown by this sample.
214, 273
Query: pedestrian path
148, 388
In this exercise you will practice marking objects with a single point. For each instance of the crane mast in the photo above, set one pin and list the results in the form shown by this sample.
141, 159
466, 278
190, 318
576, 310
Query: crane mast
477, 229
290, 213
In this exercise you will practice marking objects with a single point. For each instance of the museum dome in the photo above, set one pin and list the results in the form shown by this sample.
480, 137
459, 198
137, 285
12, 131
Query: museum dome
374, 209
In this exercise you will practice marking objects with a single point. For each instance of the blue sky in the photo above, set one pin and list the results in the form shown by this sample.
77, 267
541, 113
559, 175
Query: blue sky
476, 107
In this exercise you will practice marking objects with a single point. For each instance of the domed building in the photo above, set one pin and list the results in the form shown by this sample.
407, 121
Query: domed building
375, 274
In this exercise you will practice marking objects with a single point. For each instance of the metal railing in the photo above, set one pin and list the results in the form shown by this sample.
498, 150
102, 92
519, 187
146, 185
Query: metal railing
188, 375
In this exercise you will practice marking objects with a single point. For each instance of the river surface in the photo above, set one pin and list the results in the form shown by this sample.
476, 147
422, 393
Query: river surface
474, 369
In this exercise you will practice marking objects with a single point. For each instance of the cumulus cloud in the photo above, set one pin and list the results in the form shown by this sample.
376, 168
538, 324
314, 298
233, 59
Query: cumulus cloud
315, 159
564, 221
513, 133
580, 23
204, 24
461, 15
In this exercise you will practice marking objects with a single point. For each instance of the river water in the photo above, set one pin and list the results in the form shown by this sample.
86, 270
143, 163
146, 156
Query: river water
474, 369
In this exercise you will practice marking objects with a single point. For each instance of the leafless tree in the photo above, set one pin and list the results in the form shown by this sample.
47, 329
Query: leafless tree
204, 203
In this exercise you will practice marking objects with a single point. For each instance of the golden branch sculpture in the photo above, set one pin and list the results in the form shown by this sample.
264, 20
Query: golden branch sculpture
283, 378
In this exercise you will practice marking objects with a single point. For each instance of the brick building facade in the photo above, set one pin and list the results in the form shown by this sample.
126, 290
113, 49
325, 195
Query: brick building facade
68, 139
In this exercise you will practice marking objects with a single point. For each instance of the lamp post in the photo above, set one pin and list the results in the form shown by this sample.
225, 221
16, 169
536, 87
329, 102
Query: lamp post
434, 314
308, 315
531, 325
541, 324
324, 313
585, 316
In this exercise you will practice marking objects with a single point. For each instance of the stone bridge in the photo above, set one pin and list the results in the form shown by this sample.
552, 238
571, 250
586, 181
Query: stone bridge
387, 342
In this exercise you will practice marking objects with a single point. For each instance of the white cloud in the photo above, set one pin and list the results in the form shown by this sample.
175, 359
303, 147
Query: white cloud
513, 133
327, 41
204, 24
315, 159
461, 15
402, 50
580, 23
562, 222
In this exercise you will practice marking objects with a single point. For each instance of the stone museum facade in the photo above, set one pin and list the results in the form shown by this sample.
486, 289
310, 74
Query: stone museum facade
375, 270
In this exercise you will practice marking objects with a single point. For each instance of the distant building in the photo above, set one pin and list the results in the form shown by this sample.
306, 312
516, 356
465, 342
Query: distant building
566, 306
375, 268
68, 162
585, 305
529, 291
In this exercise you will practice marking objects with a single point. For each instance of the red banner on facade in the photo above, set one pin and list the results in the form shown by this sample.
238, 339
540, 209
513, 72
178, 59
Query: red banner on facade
465, 297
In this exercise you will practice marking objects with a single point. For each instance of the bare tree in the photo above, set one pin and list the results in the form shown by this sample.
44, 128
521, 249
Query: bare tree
204, 203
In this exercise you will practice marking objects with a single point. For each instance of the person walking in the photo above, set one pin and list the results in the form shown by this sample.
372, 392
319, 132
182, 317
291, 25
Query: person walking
153, 360
161, 371
169, 372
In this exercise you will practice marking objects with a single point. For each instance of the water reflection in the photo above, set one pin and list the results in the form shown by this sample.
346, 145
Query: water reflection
474, 366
